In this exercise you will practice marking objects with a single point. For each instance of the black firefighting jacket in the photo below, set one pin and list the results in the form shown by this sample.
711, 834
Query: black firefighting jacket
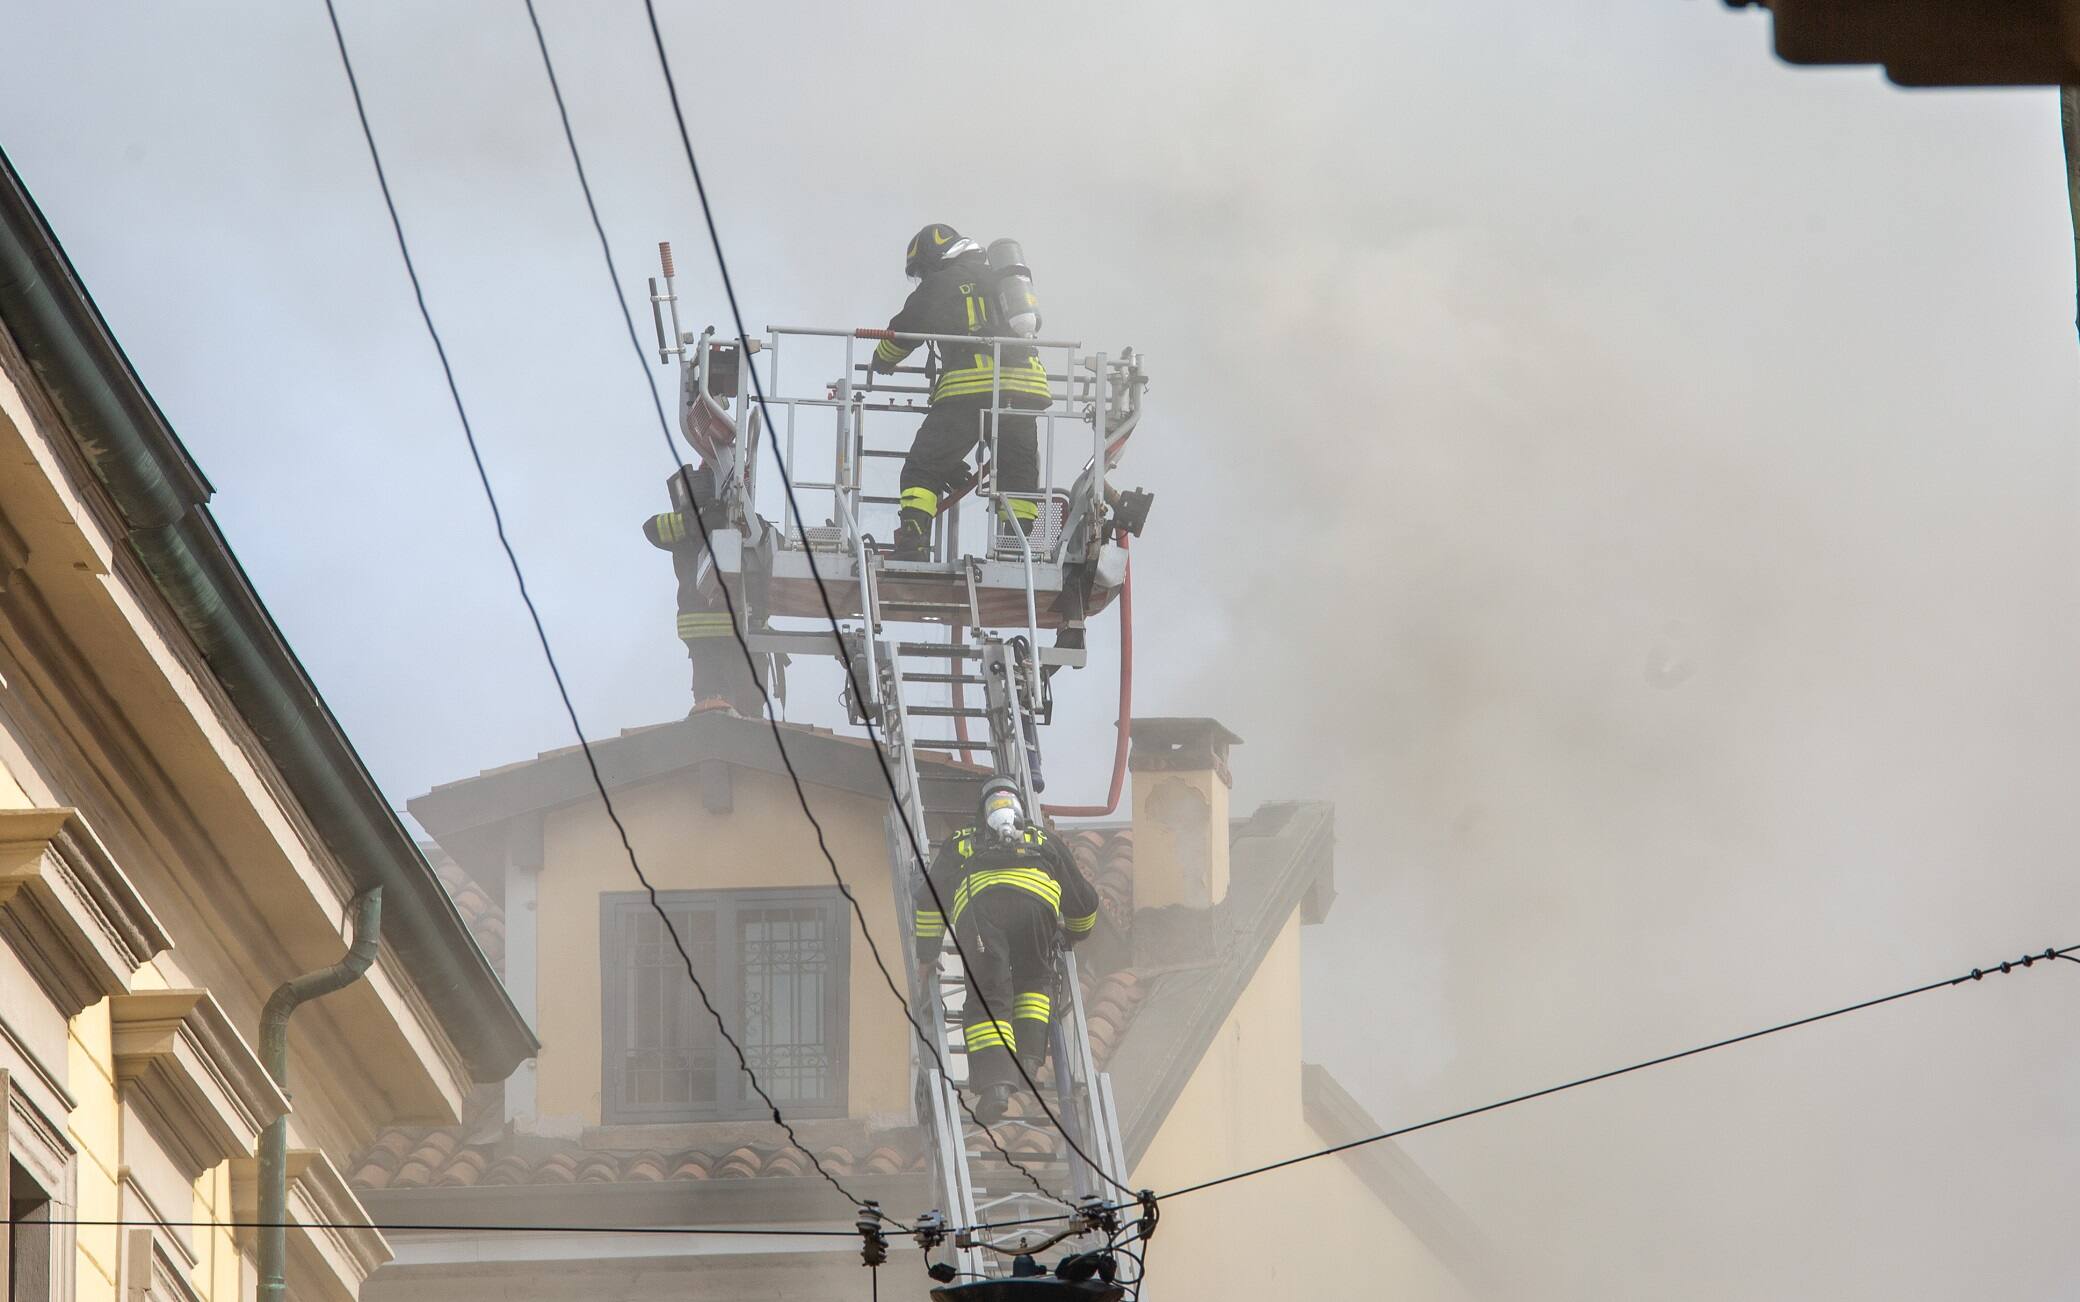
958, 298
971, 862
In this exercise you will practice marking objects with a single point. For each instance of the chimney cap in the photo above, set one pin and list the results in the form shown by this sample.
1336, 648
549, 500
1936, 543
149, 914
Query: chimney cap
1181, 745
1171, 730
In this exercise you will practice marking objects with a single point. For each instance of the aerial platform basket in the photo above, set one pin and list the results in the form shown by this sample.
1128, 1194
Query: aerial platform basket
844, 432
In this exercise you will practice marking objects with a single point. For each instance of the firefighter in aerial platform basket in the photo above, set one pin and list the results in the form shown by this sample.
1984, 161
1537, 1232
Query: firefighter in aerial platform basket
961, 290
720, 676
1014, 898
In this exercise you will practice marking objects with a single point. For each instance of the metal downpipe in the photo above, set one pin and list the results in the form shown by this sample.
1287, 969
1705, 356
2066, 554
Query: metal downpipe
274, 1052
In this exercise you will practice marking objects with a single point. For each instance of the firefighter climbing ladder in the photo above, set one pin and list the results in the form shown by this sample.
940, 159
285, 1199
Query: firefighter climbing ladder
991, 588
976, 1183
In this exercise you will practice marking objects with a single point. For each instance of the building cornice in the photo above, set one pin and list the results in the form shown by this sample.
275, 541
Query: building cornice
69, 911
195, 1079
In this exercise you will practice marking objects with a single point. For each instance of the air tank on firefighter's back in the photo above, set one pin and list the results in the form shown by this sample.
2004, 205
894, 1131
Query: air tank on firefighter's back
1016, 301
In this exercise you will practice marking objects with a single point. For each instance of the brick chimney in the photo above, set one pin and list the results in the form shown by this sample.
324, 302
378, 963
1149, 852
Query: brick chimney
1181, 782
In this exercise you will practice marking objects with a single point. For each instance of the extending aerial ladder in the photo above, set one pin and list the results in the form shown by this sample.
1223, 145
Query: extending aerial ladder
951, 640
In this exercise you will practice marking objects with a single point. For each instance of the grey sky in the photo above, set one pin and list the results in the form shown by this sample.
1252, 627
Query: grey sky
1634, 478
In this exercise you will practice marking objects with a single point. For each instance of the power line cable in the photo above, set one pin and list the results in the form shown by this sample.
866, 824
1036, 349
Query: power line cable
815, 573
2066, 953
729, 602
541, 633
1976, 974
457, 1227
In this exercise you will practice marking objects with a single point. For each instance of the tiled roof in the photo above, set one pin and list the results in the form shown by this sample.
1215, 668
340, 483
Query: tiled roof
791, 729
403, 1158
1106, 855
483, 916
1109, 1005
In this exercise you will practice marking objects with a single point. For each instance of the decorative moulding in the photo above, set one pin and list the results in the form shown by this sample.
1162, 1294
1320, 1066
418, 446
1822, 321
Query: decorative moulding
201, 1089
69, 911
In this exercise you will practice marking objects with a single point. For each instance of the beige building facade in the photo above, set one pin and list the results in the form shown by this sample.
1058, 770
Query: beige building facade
631, 1116
182, 828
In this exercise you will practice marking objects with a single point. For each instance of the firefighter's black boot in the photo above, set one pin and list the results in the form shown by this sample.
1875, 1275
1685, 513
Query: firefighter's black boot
992, 1104
913, 536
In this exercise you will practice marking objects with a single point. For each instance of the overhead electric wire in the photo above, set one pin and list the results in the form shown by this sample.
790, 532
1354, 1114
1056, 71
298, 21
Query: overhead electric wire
2028, 960
541, 633
729, 602
2066, 953
823, 591
456, 1227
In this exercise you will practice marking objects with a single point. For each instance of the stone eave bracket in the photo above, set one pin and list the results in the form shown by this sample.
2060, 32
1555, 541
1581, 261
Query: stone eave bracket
331, 1227
197, 1081
69, 911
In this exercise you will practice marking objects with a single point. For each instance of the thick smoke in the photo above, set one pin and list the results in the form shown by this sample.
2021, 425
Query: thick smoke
1680, 615
1634, 479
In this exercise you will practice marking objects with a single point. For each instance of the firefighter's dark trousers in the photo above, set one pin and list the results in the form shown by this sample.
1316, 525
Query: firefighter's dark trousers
1012, 939
718, 662
938, 460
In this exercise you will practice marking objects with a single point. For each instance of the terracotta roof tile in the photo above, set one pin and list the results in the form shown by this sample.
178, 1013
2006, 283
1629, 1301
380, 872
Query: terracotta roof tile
1106, 855
1110, 1003
483, 915
511, 1169
883, 1161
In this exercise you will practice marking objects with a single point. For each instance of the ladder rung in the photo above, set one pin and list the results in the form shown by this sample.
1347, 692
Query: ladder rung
885, 452
878, 499
965, 679
938, 649
946, 712
948, 743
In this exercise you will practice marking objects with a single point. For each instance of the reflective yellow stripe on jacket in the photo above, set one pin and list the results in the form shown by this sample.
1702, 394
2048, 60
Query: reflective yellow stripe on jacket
979, 376
1036, 880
